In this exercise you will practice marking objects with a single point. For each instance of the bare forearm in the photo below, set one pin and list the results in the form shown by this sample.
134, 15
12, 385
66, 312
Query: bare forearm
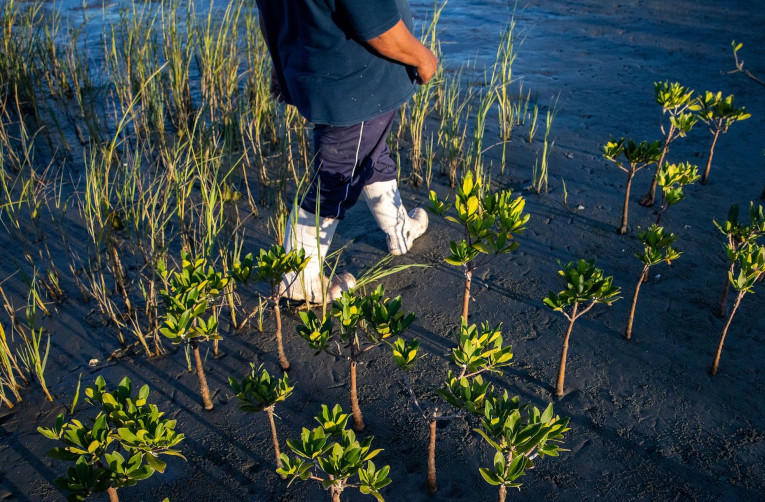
400, 45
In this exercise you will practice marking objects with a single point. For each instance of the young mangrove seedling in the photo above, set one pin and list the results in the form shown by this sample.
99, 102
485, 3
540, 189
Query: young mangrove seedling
259, 391
718, 114
331, 455
675, 101
271, 266
585, 286
639, 156
190, 292
672, 178
489, 222
365, 323
738, 235
751, 262
657, 247
478, 350
119, 448
519, 434
740, 64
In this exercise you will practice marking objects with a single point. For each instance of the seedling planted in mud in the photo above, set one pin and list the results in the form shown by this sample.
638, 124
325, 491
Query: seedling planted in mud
738, 235
119, 448
331, 455
519, 434
478, 350
718, 114
751, 262
675, 101
585, 286
270, 267
672, 178
657, 247
259, 391
190, 292
489, 222
638, 156
365, 323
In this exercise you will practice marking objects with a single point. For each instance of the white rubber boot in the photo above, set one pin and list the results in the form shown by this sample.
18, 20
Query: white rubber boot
384, 200
309, 284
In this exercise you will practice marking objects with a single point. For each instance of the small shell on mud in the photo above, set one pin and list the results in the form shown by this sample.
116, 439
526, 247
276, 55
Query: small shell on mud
93, 362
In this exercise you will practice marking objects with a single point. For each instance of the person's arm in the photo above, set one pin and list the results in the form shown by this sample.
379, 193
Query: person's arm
400, 45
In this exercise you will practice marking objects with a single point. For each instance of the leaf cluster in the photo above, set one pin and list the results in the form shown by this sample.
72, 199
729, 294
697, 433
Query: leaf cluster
739, 232
119, 448
490, 220
673, 177
718, 112
657, 246
672, 96
270, 266
750, 259
187, 298
259, 390
583, 283
481, 349
333, 450
376, 315
517, 433
637, 155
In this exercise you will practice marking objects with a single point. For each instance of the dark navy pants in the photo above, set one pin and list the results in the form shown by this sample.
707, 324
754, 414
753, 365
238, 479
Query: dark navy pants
347, 159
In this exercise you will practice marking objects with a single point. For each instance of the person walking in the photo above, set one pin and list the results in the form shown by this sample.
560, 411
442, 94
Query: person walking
348, 66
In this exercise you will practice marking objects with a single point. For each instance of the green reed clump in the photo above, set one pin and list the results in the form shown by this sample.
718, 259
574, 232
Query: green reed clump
539, 176
452, 131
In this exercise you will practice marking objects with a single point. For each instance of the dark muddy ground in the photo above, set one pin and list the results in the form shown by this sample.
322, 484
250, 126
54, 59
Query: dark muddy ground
648, 421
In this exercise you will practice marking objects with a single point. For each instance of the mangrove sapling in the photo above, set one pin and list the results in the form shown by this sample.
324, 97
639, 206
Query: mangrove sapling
331, 455
675, 101
657, 247
751, 262
519, 434
584, 286
189, 293
489, 222
259, 391
740, 64
271, 266
639, 156
672, 178
718, 114
119, 448
453, 127
738, 235
378, 318
478, 350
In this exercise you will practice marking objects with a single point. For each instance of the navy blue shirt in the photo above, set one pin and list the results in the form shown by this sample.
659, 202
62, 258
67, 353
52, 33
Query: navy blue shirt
323, 65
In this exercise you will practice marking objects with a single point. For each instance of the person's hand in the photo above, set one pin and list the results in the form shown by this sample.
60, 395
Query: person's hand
276, 88
427, 66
